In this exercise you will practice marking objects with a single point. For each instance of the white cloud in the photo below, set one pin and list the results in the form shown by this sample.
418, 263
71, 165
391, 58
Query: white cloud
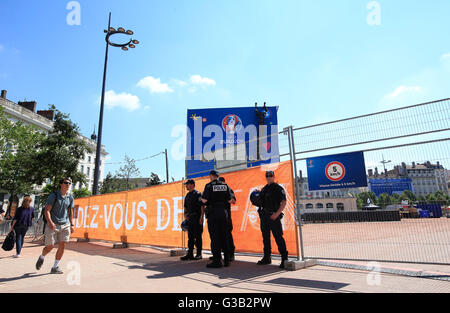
122, 100
203, 81
445, 57
401, 90
154, 85
179, 82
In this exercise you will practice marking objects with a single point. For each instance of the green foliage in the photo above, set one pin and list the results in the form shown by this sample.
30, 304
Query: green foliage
60, 152
383, 200
154, 180
18, 145
109, 185
361, 200
81, 193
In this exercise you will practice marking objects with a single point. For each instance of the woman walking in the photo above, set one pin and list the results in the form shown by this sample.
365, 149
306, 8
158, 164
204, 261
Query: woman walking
23, 219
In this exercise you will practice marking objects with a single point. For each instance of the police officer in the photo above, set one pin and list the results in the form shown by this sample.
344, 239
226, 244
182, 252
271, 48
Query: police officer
273, 199
216, 196
193, 213
230, 222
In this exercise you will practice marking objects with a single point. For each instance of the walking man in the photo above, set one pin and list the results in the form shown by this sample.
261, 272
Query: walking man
217, 196
58, 214
273, 199
193, 213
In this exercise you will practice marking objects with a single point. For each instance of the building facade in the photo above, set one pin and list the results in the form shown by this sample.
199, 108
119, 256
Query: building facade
424, 178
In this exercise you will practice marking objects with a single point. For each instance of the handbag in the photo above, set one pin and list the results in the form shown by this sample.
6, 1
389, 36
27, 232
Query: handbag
9, 242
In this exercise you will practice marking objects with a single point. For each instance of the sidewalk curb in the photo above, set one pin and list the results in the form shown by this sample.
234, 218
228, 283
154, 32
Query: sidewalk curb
388, 270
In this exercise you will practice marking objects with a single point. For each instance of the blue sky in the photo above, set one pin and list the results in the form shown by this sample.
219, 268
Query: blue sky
317, 60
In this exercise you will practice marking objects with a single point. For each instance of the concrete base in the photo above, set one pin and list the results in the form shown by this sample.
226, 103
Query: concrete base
122, 245
298, 265
177, 252
83, 240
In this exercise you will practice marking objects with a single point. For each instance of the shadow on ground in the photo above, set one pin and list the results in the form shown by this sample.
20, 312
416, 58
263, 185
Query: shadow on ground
162, 266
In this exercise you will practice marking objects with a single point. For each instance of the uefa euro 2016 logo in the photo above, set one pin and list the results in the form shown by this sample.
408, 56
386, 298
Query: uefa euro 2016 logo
232, 124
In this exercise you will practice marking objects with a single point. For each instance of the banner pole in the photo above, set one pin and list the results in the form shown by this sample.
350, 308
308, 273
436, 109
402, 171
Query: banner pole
299, 235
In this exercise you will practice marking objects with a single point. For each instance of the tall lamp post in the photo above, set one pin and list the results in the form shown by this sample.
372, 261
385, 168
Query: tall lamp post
130, 44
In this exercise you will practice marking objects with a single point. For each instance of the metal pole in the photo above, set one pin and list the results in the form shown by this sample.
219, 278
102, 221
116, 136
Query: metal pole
100, 123
294, 165
167, 167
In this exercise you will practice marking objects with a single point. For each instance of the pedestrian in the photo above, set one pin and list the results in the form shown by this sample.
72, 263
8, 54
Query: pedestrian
273, 199
23, 219
193, 213
216, 196
58, 214
230, 222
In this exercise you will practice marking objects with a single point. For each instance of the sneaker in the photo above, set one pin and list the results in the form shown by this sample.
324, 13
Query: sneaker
16, 256
187, 257
39, 263
56, 270
265, 261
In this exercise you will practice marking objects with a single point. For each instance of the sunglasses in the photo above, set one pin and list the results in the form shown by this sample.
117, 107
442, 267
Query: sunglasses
269, 176
67, 183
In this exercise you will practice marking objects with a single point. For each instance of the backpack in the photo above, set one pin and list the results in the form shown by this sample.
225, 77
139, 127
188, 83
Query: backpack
43, 211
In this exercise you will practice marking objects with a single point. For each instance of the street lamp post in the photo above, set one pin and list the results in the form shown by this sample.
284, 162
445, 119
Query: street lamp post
130, 44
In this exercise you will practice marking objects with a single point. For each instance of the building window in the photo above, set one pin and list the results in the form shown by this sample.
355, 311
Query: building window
89, 159
330, 205
340, 206
88, 172
319, 206
82, 169
309, 206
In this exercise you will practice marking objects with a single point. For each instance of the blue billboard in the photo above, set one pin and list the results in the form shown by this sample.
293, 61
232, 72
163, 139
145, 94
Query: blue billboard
337, 171
228, 139
390, 185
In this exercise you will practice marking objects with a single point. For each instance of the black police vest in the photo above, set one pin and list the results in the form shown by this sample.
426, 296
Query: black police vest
271, 197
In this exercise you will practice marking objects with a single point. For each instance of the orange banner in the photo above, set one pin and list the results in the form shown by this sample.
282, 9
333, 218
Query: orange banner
153, 215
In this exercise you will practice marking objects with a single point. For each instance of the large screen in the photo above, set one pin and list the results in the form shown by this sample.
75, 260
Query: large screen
230, 139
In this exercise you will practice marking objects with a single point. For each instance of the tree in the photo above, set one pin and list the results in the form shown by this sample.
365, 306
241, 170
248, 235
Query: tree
18, 145
409, 195
60, 152
362, 199
109, 185
81, 193
384, 200
154, 180
127, 171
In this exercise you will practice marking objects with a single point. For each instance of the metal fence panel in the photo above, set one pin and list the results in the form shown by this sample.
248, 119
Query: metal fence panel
410, 144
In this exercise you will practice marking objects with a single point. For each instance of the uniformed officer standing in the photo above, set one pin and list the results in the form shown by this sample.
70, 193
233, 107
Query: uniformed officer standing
216, 196
193, 213
230, 222
273, 199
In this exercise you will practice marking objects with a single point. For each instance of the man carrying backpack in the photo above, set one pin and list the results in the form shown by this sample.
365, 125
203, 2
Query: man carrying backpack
59, 226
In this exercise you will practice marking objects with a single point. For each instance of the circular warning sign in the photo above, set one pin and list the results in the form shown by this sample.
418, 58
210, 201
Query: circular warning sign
335, 171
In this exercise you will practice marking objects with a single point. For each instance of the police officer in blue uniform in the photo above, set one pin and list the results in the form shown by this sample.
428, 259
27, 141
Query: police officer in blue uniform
273, 199
217, 196
193, 213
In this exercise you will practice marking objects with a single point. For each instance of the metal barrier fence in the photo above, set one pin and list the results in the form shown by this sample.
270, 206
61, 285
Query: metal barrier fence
410, 143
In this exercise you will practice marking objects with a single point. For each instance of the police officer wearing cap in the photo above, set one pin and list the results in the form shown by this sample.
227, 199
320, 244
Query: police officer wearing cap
230, 222
193, 213
217, 196
273, 199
